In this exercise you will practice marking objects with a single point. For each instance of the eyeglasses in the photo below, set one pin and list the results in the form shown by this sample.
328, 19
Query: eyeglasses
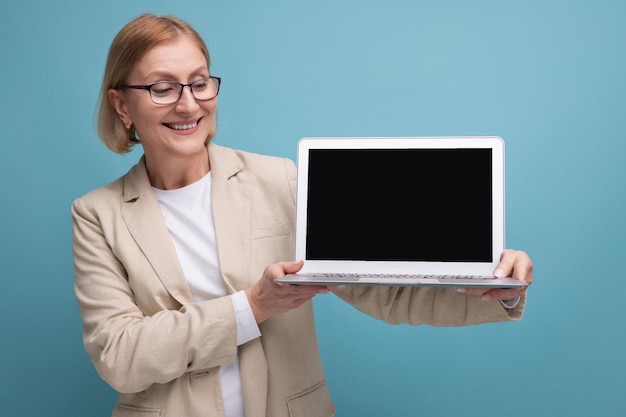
169, 92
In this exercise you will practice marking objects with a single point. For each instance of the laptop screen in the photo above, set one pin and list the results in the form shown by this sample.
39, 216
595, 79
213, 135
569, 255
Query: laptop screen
400, 205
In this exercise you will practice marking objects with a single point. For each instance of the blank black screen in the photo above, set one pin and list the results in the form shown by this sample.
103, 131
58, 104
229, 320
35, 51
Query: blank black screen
400, 205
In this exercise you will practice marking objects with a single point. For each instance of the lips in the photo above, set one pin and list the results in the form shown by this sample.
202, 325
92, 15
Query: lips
182, 126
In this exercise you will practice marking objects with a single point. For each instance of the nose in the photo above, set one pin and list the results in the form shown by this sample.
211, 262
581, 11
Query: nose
187, 101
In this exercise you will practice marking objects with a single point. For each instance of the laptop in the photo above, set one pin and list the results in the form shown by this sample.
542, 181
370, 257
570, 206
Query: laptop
403, 211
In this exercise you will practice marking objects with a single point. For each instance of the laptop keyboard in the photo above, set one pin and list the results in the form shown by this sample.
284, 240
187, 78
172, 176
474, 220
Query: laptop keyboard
356, 277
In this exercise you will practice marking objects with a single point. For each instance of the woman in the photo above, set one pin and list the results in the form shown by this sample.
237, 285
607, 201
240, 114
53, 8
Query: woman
175, 261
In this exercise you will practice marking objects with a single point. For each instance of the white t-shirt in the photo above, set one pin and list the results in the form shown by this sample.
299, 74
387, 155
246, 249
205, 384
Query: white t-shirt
189, 219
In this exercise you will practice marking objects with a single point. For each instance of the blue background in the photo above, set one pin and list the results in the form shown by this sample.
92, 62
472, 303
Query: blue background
547, 76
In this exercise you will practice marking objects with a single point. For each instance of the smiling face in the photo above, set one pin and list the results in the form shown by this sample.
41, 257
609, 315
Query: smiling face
175, 132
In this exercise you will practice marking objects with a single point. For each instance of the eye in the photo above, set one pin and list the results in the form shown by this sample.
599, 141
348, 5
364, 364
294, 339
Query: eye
200, 85
164, 89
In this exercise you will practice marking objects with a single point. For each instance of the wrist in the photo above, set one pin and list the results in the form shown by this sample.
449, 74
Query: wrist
259, 314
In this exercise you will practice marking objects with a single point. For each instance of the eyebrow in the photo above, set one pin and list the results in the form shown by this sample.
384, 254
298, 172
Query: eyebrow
168, 76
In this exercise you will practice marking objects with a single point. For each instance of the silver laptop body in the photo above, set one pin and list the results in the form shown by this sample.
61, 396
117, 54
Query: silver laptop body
407, 211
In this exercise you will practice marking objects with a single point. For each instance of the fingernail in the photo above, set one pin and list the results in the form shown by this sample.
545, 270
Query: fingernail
486, 297
324, 291
461, 290
498, 273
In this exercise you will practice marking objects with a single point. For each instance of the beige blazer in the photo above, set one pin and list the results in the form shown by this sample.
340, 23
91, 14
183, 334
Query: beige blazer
161, 351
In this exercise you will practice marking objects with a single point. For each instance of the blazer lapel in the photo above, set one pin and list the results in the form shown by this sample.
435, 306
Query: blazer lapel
231, 215
230, 197
143, 218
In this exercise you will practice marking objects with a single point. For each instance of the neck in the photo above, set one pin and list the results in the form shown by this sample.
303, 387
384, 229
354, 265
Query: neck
177, 173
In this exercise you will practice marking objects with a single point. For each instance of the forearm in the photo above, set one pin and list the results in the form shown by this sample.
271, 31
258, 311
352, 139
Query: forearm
132, 351
431, 306
134, 330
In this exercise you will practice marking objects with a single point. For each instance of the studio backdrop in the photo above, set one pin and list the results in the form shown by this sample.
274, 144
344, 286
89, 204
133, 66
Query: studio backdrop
546, 76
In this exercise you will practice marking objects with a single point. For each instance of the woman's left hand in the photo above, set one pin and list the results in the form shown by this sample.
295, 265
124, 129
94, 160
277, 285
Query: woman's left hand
513, 263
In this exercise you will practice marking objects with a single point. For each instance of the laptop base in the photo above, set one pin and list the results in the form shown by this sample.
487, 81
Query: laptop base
453, 281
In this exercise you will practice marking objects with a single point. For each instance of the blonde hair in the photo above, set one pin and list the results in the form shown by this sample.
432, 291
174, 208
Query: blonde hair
128, 47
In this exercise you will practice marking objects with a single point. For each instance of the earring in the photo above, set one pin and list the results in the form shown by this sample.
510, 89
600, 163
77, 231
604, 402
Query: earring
126, 125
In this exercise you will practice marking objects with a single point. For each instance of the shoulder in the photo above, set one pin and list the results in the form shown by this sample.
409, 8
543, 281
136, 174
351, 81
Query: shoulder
101, 195
251, 168
269, 180
114, 193
227, 160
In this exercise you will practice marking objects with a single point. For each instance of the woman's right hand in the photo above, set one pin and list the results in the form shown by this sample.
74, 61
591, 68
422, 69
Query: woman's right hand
268, 297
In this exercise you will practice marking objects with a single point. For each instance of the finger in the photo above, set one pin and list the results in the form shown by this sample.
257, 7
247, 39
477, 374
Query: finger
516, 264
503, 294
505, 266
489, 294
291, 267
279, 269
309, 289
472, 291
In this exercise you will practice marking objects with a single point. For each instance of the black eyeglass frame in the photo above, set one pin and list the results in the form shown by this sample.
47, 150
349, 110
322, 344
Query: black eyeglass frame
148, 87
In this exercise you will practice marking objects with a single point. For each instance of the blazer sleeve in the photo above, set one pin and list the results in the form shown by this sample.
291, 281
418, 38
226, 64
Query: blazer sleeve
432, 306
138, 338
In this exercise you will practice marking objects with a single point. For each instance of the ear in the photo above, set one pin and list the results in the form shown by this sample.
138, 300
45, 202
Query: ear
118, 101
